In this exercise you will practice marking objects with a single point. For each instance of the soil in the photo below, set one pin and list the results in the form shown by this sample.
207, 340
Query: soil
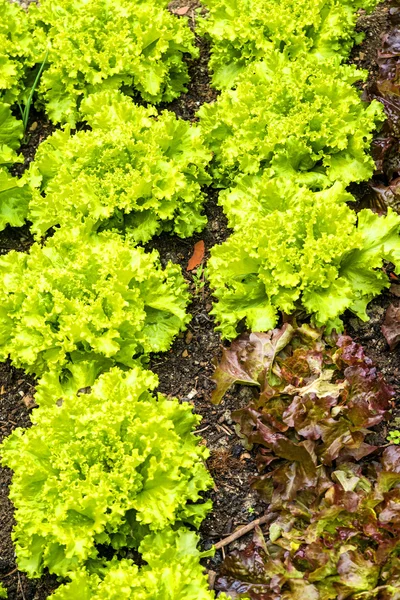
186, 370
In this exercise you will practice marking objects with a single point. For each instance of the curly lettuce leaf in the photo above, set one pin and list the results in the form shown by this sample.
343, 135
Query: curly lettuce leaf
104, 467
102, 45
11, 133
135, 171
83, 293
15, 195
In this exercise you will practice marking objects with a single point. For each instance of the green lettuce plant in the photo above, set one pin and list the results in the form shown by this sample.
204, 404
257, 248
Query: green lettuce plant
315, 255
105, 467
84, 294
172, 572
17, 51
134, 45
302, 120
136, 171
242, 31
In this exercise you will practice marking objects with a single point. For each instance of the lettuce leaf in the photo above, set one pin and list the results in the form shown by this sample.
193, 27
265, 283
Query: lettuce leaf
11, 133
105, 467
85, 294
105, 45
135, 171
15, 193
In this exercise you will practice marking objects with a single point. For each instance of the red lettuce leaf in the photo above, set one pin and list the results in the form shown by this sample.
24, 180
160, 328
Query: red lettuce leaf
391, 326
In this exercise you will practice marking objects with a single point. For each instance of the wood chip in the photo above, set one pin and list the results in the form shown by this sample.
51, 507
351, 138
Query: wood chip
211, 579
29, 401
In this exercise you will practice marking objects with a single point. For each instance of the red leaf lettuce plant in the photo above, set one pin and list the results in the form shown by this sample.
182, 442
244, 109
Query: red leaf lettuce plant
334, 521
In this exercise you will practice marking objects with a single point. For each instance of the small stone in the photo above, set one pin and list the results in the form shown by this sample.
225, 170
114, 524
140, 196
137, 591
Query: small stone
355, 323
185, 354
189, 337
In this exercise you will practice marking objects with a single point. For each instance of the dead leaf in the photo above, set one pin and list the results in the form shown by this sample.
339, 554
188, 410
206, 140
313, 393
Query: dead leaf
391, 326
181, 11
197, 256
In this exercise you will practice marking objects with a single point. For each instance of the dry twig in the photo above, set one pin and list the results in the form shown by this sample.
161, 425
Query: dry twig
242, 531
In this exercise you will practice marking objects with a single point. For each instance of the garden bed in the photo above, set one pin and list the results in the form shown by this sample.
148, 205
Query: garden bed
186, 370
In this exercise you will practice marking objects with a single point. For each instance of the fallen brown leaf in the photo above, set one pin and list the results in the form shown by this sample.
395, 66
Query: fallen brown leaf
391, 326
197, 256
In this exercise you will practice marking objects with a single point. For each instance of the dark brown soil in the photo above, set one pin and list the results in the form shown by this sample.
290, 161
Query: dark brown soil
186, 370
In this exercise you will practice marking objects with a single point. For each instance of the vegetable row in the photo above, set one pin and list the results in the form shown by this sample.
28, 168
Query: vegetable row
108, 481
